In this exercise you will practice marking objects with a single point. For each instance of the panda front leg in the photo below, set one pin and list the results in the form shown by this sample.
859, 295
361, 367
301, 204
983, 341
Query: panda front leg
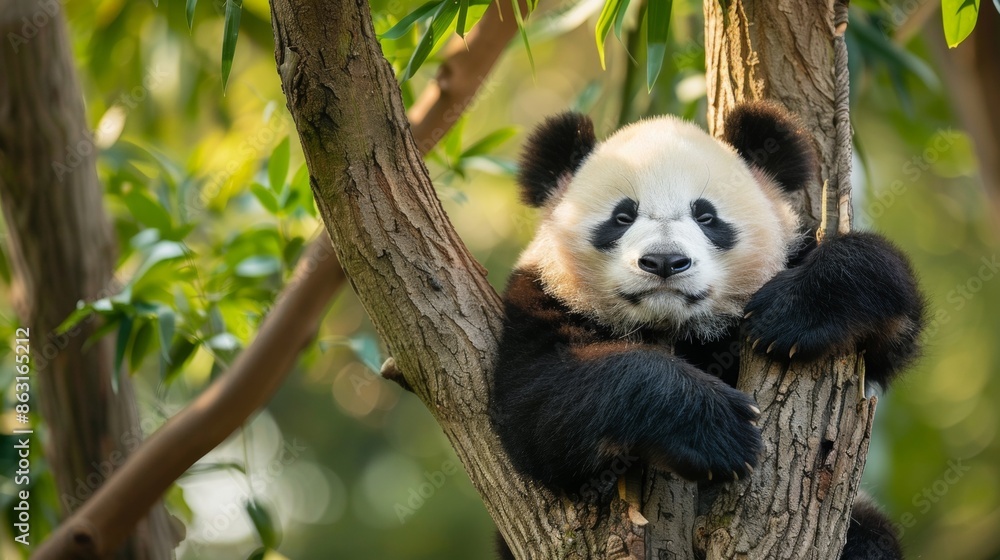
855, 292
579, 410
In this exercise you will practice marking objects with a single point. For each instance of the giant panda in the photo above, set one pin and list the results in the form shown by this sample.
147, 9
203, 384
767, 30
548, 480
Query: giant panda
656, 249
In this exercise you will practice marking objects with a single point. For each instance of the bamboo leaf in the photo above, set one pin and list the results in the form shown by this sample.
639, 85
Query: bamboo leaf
404, 25
657, 27
231, 32
121, 343
524, 33
463, 15
440, 24
189, 12
959, 19
489, 142
620, 19
604, 23
263, 522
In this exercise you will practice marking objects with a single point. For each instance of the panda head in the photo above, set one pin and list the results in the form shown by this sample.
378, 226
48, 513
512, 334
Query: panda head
661, 226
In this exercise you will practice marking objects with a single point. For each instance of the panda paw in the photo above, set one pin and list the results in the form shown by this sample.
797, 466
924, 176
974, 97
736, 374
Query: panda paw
784, 321
722, 444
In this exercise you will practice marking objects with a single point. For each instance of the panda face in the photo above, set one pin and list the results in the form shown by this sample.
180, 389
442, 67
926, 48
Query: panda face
662, 227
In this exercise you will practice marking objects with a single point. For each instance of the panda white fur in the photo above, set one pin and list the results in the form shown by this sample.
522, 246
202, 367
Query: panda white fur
652, 247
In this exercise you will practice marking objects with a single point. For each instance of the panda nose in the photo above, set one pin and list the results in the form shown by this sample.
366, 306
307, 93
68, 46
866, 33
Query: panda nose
664, 266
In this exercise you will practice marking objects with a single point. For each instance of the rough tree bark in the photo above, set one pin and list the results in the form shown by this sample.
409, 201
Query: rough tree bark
816, 421
62, 251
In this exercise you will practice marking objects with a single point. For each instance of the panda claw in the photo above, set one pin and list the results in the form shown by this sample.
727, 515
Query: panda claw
749, 468
755, 410
795, 348
771, 347
736, 476
755, 343
747, 316
710, 475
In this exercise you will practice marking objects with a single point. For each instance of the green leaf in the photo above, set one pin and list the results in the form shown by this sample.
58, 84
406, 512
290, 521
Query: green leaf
440, 24
366, 349
620, 19
181, 350
230, 32
293, 250
490, 142
959, 18
407, 23
657, 26
121, 344
604, 23
463, 15
161, 252
524, 33
258, 554
189, 12
265, 196
258, 266
146, 210
81, 312
277, 166
166, 322
263, 522
452, 143
141, 342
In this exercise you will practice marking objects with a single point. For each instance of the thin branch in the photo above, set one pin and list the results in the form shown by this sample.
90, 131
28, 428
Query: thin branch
110, 514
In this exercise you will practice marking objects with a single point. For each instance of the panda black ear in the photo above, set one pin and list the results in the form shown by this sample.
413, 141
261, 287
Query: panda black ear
769, 138
553, 153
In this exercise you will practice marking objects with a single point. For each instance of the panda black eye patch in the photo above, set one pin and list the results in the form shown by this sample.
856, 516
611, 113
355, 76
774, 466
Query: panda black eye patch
718, 231
607, 233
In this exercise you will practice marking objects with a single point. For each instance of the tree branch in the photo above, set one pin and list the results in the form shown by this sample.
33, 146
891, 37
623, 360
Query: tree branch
110, 515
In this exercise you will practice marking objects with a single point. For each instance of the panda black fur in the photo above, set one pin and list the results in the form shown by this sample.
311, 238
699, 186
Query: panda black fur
652, 246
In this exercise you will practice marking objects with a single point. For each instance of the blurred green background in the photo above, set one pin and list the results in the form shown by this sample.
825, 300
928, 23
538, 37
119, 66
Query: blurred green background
339, 457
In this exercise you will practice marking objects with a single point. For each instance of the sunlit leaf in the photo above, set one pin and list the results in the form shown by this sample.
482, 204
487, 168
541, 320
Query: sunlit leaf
490, 142
277, 166
161, 252
959, 18
230, 32
258, 266
657, 27
605, 22
265, 196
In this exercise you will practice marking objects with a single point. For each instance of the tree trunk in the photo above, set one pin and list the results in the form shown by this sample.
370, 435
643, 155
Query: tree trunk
426, 295
440, 319
816, 420
62, 251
